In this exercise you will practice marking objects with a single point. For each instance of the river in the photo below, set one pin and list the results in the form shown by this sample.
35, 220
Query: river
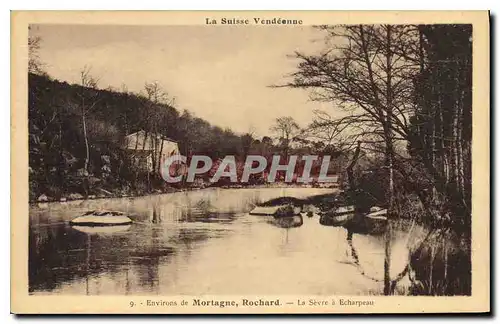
199, 243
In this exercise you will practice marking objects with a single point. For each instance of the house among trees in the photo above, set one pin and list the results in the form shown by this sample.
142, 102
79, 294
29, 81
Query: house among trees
150, 149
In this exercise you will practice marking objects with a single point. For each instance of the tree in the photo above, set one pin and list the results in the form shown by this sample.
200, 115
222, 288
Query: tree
35, 65
285, 129
365, 75
156, 94
266, 140
246, 143
155, 118
247, 140
328, 135
400, 84
441, 128
87, 81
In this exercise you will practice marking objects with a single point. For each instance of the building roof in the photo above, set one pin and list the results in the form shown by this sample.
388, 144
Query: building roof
141, 132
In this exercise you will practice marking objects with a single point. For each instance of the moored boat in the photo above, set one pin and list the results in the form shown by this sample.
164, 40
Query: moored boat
339, 217
101, 218
264, 210
344, 210
102, 230
376, 221
373, 222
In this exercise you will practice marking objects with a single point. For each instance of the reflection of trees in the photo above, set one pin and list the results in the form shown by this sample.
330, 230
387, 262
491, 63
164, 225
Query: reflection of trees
148, 260
87, 259
441, 265
194, 215
355, 257
357, 264
46, 257
156, 215
436, 266
284, 246
58, 254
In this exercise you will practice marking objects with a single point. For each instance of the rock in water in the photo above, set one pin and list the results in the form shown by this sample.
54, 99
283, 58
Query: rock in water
75, 196
286, 211
43, 198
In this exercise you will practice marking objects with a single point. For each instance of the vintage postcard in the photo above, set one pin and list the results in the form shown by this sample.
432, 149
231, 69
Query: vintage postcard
250, 162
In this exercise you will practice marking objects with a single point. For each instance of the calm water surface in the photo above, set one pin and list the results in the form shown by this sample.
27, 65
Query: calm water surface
200, 243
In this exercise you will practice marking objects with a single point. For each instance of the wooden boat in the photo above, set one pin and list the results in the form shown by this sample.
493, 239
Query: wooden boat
376, 222
101, 218
102, 230
379, 215
368, 223
375, 209
339, 217
264, 211
344, 210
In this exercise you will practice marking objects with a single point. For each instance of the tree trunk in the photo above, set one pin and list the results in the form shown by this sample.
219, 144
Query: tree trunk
461, 184
350, 167
154, 151
454, 150
389, 164
161, 156
87, 153
86, 165
444, 168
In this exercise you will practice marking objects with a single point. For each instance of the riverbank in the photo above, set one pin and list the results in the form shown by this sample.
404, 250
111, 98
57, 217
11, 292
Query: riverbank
118, 194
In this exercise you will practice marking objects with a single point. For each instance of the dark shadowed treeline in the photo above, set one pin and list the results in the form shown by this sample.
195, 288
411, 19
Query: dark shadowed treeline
77, 137
403, 94
58, 138
398, 87
441, 132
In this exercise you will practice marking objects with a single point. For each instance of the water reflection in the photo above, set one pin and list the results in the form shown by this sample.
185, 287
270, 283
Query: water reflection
200, 242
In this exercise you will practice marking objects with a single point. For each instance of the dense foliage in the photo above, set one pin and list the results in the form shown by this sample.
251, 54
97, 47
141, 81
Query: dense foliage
57, 144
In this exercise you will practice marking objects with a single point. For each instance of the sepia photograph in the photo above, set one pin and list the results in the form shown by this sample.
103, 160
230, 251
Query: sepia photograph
245, 160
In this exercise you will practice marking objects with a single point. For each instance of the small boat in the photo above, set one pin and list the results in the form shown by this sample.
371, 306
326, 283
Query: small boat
379, 215
369, 223
264, 210
344, 210
375, 209
339, 217
101, 218
376, 221
102, 230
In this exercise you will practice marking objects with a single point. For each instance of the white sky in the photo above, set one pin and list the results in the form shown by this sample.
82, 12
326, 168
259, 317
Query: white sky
220, 73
